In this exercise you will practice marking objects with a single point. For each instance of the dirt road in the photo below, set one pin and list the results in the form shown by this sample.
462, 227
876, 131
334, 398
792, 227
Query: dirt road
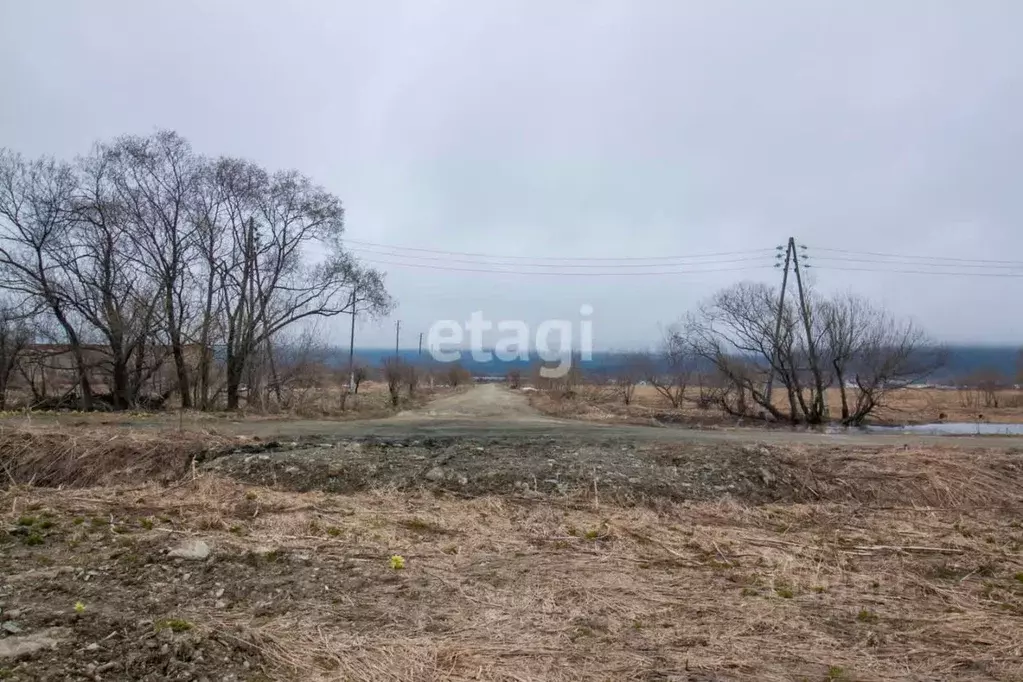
491, 411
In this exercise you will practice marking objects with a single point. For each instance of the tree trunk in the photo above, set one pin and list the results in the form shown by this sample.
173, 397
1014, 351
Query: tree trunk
120, 391
235, 367
841, 390
174, 332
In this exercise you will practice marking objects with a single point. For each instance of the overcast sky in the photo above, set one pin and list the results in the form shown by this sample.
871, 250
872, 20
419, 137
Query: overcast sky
578, 129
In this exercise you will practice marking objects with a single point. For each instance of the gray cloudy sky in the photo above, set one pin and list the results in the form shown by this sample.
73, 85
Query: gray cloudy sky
578, 129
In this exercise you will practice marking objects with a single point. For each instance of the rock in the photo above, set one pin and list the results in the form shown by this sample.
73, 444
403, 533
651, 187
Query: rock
766, 476
193, 550
219, 593
13, 648
435, 474
11, 627
92, 647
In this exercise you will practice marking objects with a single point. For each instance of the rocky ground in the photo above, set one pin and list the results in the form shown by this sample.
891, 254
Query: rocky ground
620, 470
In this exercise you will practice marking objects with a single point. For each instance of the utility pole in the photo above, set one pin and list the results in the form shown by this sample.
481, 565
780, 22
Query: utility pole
789, 247
810, 345
420, 344
397, 332
351, 349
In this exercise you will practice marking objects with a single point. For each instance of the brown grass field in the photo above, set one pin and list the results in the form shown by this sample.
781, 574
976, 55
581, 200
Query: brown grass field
879, 564
905, 406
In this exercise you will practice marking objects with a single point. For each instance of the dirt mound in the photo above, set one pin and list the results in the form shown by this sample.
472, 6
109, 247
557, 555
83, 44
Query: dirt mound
636, 473
618, 470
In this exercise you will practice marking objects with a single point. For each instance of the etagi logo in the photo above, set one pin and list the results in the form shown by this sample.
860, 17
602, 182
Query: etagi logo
446, 339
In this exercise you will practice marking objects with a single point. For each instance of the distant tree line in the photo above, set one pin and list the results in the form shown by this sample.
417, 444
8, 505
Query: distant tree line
144, 259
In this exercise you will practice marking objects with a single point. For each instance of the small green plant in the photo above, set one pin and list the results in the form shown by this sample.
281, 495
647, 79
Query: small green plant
32, 539
1019, 577
79, 607
749, 592
147, 523
173, 624
875, 585
27, 520
236, 529
45, 524
78, 520
97, 522
333, 531
251, 495
784, 591
835, 672
450, 549
866, 616
820, 589
397, 562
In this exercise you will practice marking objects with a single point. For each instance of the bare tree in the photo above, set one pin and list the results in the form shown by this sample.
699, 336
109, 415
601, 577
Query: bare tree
671, 371
269, 282
632, 369
864, 350
735, 333
394, 375
412, 376
14, 336
104, 286
35, 217
155, 183
143, 251
983, 387
458, 375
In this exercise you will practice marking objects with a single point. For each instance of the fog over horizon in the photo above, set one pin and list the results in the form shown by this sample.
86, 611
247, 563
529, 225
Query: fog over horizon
548, 133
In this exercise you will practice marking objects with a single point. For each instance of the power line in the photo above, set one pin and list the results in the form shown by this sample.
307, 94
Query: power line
617, 273
923, 272
561, 258
916, 263
445, 259
918, 258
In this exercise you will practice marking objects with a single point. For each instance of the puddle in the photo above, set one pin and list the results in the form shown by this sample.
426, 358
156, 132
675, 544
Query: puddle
945, 429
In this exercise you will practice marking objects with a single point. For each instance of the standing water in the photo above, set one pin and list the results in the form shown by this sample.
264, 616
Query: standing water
951, 429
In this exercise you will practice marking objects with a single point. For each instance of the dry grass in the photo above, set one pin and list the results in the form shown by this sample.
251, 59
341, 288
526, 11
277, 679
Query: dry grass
507, 589
371, 402
906, 406
78, 457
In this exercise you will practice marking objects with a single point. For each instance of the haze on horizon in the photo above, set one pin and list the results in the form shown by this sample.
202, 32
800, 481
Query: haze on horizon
579, 130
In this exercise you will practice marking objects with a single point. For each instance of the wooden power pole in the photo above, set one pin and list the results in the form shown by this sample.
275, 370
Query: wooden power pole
789, 248
397, 333
351, 349
811, 347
